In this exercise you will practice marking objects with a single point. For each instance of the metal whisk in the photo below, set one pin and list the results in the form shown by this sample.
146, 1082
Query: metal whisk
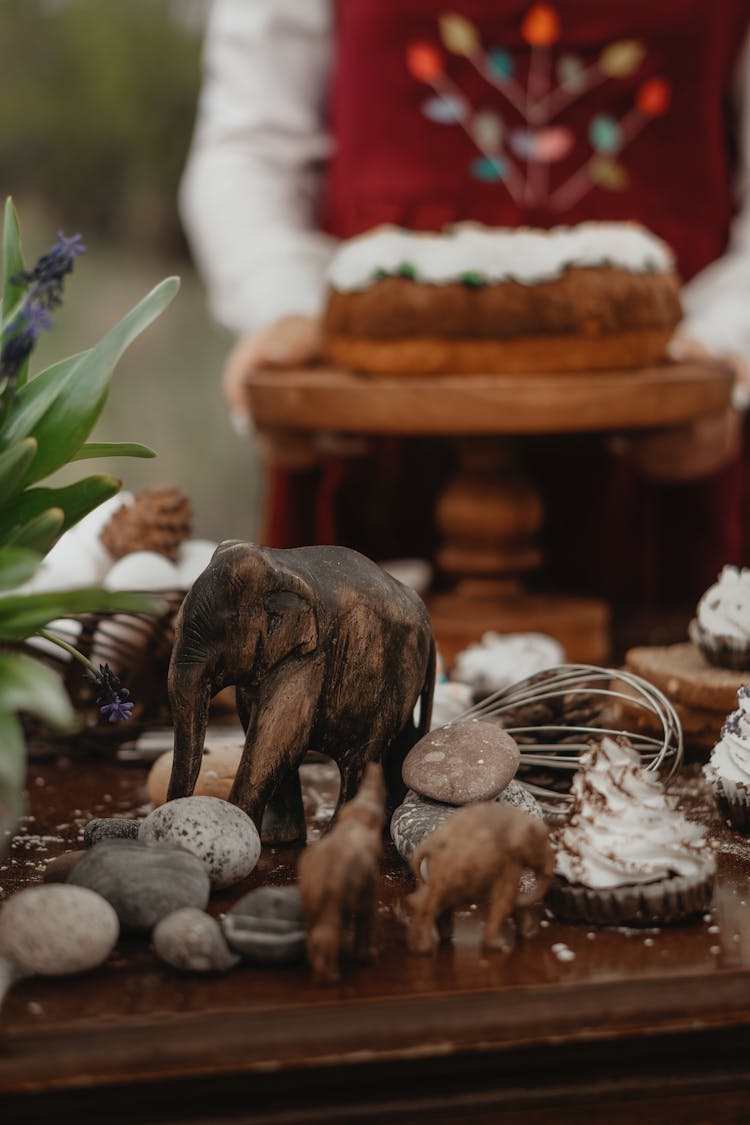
555, 714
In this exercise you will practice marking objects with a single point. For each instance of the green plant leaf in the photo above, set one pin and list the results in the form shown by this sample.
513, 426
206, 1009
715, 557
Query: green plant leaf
29, 685
12, 772
13, 464
75, 500
41, 532
35, 398
17, 565
12, 259
112, 449
82, 390
24, 614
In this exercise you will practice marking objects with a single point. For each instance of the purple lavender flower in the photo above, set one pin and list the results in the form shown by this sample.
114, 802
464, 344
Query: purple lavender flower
21, 335
48, 275
45, 283
112, 698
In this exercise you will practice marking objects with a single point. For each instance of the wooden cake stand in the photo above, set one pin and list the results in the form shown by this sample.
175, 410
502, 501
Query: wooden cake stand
489, 515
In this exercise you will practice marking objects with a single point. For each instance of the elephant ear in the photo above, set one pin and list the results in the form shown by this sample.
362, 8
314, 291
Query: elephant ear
290, 623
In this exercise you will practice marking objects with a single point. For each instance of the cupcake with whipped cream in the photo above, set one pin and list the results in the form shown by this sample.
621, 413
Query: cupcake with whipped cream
500, 660
721, 627
626, 855
728, 769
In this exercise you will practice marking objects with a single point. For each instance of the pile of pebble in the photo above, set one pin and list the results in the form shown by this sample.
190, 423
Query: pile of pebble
452, 766
152, 877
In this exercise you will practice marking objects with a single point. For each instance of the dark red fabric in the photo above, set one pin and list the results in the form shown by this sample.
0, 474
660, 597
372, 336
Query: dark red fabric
607, 530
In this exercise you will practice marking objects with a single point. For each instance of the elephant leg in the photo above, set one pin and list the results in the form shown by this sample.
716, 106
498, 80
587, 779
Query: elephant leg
502, 900
190, 691
444, 922
284, 816
364, 916
276, 741
425, 908
324, 943
351, 772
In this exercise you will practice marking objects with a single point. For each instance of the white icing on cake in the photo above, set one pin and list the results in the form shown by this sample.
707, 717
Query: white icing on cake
730, 757
502, 659
624, 829
495, 254
724, 610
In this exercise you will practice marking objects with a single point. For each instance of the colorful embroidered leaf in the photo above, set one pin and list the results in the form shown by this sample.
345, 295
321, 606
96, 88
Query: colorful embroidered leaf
541, 28
500, 63
570, 74
424, 61
608, 173
653, 97
605, 134
458, 34
544, 145
486, 128
489, 168
444, 110
622, 58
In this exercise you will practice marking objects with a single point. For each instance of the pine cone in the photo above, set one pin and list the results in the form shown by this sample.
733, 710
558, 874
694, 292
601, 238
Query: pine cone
160, 519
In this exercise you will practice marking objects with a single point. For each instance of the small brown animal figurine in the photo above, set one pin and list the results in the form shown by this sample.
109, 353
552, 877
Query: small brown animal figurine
478, 854
337, 879
325, 650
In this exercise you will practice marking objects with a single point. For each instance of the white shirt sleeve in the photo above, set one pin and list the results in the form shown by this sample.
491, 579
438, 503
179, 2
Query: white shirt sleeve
717, 300
250, 191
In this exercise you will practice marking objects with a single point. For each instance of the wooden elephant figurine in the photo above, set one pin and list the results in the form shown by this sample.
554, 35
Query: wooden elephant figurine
327, 652
337, 878
478, 855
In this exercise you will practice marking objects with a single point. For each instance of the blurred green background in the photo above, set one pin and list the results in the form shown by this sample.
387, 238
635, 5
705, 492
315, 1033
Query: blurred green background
98, 104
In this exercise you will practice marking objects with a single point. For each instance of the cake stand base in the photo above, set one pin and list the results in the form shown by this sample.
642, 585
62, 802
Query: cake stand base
581, 625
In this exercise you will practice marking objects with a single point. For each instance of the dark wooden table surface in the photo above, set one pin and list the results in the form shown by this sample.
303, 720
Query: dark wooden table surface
578, 1021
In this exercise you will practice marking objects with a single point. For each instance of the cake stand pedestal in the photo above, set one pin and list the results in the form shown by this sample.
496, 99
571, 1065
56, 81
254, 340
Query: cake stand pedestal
489, 514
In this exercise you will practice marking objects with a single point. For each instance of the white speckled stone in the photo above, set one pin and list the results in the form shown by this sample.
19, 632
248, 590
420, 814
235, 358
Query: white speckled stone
192, 941
220, 834
463, 762
57, 929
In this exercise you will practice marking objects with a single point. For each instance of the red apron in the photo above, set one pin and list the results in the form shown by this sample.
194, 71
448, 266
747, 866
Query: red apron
512, 113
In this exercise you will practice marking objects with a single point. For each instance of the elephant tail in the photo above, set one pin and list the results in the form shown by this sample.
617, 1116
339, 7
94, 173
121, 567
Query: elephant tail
428, 690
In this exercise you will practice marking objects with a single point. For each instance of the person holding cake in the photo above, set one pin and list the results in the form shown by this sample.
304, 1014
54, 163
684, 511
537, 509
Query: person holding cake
323, 120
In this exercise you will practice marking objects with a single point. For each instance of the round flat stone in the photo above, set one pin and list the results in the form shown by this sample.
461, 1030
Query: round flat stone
109, 828
57, 929
267, 925
416, 817
192, 941
220, 834
463, 762
143, 882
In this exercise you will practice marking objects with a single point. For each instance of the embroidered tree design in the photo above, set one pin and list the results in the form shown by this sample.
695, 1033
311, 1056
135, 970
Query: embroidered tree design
520, 158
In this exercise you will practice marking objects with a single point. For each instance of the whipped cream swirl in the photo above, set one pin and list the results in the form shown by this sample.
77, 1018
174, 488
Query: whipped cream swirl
730, 757
502, 659
495, 254
724, 609
624, 828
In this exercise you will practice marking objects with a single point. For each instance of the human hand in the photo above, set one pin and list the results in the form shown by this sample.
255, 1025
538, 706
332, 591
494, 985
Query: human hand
292, 341
683, 453
696, 449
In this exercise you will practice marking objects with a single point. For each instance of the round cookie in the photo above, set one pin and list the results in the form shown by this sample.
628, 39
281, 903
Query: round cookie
682, 673
218, 767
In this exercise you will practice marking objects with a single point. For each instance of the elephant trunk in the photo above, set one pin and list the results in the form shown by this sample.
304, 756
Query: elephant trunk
190, 691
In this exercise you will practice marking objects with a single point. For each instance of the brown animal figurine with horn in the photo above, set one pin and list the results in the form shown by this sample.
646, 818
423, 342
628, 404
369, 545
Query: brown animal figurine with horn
338, 877
478, 855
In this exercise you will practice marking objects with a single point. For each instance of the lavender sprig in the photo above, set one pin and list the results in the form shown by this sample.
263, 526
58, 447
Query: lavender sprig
112, 698
45, 283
